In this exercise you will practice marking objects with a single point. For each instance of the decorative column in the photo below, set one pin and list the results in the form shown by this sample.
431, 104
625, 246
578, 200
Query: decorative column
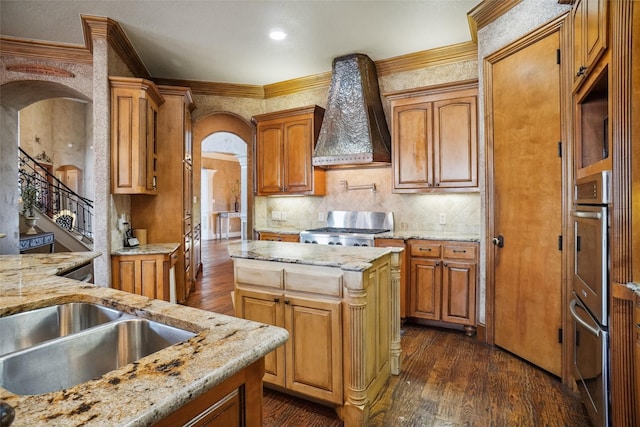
242, 158
396, 350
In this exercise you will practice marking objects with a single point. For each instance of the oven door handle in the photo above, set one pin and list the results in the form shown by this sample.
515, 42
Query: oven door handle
583, 214
572, 308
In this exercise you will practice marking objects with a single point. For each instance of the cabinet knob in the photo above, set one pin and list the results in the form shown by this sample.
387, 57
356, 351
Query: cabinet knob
581, 71
287, 301
276, 300
437, 263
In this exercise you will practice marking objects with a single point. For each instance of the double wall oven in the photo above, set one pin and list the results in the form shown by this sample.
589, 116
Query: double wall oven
590, 303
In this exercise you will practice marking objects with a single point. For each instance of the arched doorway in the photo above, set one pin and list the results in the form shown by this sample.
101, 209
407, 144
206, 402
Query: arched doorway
16, 96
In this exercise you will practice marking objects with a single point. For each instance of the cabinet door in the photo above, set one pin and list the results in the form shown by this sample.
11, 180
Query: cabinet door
277, 237
149, 152
425, 293
298, 148
459, 292
265, 307
455, 146
412, 146
270, 158
589, 35
314, 349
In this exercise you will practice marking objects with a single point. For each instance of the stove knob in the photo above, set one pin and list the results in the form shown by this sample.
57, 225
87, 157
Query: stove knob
364, 244
338, 243
356, 244
314, 242
331, 243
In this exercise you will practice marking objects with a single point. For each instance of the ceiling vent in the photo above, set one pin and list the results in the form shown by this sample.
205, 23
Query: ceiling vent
354, 131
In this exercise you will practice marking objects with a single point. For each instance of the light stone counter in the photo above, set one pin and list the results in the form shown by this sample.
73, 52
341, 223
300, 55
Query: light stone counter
635, 287
148, 249
139, 393
344, 257
429, 235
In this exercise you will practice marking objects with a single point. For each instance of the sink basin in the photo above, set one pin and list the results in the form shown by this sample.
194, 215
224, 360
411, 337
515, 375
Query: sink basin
27, 329
67, 361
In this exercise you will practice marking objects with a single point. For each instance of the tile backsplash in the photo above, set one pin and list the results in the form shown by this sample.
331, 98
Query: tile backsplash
411, 211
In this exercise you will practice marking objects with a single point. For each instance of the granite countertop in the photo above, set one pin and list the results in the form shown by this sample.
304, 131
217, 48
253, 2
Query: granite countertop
429, 235
344, 257
397, 234
148, 249
139, 393
635, 287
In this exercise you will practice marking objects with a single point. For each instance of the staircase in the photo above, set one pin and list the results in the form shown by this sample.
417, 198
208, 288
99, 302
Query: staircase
68, 215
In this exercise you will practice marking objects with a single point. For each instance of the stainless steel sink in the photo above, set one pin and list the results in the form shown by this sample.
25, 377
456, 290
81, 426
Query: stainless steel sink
27, 329
69, 360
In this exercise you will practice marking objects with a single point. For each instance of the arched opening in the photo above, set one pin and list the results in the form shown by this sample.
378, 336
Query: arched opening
15, 97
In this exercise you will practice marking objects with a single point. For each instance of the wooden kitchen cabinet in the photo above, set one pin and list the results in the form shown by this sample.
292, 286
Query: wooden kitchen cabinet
279, 237
134, 127
435, 139
236, 402
443, 281
147, 274
589, 18
311, 361
168, 216
285, 141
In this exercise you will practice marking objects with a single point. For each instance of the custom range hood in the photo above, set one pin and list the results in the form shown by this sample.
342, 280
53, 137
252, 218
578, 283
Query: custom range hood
354, 131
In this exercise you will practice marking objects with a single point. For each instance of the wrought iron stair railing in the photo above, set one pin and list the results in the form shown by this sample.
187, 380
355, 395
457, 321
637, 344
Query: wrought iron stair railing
55, 198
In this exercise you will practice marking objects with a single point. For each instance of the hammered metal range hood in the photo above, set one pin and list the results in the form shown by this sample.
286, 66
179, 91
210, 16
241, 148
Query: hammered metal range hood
354, 131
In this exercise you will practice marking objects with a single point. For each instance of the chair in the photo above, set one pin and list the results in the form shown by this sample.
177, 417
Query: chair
65, 219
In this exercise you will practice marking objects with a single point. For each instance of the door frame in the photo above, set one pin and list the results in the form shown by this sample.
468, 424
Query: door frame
561, 25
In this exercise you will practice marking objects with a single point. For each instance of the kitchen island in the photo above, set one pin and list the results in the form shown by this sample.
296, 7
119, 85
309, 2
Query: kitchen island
341, 308
165, 388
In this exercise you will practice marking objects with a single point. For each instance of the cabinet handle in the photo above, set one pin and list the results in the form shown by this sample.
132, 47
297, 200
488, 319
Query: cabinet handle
458, 251
581, 71
276, 300
425, 249
287, 301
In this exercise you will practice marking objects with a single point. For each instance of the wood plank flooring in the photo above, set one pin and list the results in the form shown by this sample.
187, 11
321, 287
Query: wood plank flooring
447, 379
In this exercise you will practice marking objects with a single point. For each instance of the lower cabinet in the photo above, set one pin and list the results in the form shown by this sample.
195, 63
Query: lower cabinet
311, 360
147, 274
637, 356
442, 282
279, 237
237, 402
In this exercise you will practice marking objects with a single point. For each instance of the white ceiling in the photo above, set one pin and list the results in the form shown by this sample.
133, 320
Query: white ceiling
227, 41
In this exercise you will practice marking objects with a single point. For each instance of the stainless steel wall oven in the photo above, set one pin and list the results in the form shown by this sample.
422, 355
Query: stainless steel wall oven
590, 303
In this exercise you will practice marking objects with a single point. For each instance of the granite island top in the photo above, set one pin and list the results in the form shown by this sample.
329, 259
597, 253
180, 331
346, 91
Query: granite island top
345, 257
147, 390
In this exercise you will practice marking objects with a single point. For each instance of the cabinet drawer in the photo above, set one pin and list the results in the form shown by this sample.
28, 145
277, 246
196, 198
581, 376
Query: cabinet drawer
326, 283
259, 274
429, 250
460, 252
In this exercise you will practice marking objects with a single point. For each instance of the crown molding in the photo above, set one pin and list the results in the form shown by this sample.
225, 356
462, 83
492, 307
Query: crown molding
288, 87
98, 27
217, 89
486, 12
36, 49
428, 58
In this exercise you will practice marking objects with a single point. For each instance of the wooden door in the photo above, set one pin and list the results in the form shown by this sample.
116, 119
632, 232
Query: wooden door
526, 200
270, 157
459, 292
455, 142
426, 288
412, 147
264, 307
298, 148
314, 349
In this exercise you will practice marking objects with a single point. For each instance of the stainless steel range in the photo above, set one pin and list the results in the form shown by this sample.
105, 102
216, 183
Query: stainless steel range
350, 228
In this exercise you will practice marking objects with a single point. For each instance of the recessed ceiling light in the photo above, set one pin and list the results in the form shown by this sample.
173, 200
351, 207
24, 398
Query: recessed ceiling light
278, 35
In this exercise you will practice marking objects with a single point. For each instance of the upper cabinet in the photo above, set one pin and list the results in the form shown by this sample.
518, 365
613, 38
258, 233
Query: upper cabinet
589, 37
285, 141
134, 129
435, 139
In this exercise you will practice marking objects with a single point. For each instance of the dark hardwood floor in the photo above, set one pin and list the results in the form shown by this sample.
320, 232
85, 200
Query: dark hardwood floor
447, 379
